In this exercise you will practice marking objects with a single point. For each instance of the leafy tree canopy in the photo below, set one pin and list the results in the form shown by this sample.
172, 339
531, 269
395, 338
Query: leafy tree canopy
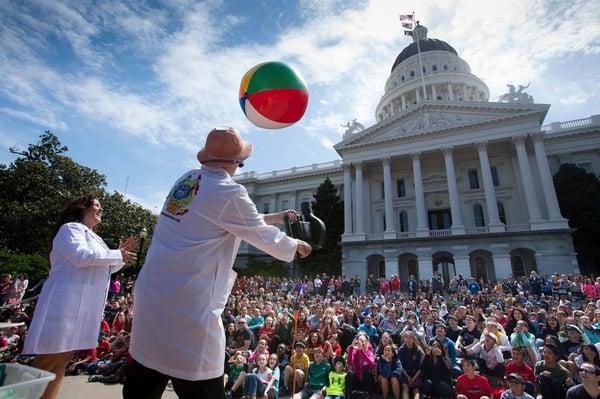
328, 207
579, 197
41, 182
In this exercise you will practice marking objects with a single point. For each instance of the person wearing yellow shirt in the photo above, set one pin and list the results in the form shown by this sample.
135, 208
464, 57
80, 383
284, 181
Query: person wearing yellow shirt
297, 368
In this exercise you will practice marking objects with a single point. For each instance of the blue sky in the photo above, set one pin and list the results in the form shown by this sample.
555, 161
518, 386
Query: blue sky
132, 88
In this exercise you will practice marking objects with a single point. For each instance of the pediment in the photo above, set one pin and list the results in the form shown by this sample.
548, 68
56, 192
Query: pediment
431, 117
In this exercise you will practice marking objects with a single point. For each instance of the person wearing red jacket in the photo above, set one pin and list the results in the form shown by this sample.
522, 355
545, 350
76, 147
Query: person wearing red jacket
518, 366
394, 284
472, 385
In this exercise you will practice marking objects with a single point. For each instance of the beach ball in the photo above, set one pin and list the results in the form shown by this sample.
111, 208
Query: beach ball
273, 95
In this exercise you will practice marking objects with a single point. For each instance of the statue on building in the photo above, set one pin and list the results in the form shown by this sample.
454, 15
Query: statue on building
352, 127
516, 96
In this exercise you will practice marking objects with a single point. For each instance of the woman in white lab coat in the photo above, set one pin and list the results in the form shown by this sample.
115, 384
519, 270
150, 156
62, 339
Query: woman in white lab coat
69, 310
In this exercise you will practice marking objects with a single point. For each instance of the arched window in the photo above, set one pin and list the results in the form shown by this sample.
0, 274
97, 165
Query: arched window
402, 78
403, 222
424, 70
501, 212
478, 216
381, 268
412, 74
518, 266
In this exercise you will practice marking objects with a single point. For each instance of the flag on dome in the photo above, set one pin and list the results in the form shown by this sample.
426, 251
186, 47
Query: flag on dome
406, 17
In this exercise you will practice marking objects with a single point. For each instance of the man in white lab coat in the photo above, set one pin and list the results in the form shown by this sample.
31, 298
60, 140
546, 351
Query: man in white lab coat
187, 276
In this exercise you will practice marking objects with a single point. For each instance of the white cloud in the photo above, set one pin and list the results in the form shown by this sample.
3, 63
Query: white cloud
343, 49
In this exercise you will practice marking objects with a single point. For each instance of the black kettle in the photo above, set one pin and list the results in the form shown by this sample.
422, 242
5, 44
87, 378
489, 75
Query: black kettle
307, 227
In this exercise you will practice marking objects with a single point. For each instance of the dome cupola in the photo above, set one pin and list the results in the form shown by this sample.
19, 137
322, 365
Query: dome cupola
428, 70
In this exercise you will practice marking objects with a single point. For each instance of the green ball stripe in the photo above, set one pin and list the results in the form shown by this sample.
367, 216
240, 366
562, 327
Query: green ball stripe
275, 75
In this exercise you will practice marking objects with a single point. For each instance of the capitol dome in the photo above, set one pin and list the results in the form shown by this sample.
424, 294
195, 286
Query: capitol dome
424, 45
438, 74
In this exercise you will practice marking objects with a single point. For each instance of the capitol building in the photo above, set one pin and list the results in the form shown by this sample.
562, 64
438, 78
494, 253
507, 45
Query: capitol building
446, 180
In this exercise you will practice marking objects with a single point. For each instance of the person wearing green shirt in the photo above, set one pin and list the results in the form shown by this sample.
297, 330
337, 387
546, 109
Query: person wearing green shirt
318, 376
551, 376
337, 380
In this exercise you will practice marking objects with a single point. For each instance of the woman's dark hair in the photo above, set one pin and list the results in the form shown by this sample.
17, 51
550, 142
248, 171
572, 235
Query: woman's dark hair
553, 348
592, 347
73, 212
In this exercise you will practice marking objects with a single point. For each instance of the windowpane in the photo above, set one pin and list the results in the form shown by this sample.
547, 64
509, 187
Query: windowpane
403, 222
284, 204
266, 207
401, 188
495, 179
473, 179
434, 68
381, 269
501, 212
518, 266
478, 216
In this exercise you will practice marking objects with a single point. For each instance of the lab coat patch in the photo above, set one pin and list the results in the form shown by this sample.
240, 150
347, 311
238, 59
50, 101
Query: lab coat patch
182, 195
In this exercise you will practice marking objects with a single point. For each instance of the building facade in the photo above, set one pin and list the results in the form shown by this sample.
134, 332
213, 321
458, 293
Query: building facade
446, 180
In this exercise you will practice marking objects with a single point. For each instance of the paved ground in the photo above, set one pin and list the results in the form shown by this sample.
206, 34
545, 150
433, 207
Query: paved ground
77, 387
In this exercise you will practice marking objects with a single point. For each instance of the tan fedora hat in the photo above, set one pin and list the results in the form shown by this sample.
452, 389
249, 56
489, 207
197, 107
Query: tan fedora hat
224, 145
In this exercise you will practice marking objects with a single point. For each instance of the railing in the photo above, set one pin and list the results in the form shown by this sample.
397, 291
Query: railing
575, 123
517, 227
406, 234
440, 233
308, 168
479, 230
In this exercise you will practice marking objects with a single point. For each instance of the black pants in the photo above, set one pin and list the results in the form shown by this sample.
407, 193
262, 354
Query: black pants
142, 382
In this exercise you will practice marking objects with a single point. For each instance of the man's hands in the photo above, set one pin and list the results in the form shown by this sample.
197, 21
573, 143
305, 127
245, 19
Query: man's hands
127, 249
304, 249
279, 217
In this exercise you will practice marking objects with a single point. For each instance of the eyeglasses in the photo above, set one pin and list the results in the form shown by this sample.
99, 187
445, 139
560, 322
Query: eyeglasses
586, 371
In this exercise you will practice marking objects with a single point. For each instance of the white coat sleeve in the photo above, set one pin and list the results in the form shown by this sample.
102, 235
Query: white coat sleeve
240, 218
71, 242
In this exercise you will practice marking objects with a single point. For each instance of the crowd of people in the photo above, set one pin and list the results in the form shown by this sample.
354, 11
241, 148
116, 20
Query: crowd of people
342, 338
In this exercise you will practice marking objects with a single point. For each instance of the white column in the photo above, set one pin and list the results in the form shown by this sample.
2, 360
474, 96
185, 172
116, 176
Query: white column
358, 207
390, 228
418, 95
450, 93
530, 196
488, 186
547, 184
422, 229
462, 265
457, 222
273, 204
433, 93
502, 266
403, 100
347, 199
425, 268
464, 92
391, 266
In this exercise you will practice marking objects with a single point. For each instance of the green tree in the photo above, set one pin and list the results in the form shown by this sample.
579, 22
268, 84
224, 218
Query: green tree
328, 207
34, 266
37, 186
579, 197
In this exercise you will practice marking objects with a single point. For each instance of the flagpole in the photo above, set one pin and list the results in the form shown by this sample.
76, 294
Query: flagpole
420, 60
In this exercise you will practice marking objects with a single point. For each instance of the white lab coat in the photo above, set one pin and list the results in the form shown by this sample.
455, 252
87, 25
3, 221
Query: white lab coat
70, 307
187, 276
